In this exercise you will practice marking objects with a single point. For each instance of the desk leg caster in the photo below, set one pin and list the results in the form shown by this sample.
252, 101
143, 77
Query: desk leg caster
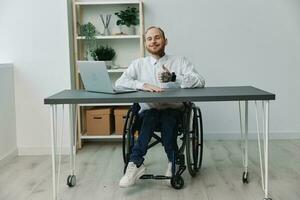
245, 177
71, 180
177, 182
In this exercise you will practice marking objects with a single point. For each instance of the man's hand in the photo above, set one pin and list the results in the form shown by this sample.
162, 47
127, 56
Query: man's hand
165, 75
152, 88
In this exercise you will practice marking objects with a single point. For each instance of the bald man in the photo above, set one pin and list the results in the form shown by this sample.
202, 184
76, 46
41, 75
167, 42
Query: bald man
155, 73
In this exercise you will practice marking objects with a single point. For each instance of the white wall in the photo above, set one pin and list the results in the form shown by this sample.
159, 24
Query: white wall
8, 141
231, 42
236, 42
34, 36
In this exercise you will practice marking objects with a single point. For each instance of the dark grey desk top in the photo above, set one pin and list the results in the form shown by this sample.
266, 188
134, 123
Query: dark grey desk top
238, 93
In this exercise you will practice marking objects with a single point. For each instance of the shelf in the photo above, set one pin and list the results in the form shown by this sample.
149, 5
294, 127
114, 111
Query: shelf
120, 70
101, 136
127, 47
106, 2
107, 104
116, 70
109, 37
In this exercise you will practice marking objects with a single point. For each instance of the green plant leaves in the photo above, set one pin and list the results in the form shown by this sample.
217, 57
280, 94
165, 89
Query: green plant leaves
103, 53
128, 17
88, 30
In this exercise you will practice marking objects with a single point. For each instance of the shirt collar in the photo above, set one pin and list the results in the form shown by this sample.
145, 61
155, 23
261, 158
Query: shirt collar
154, 61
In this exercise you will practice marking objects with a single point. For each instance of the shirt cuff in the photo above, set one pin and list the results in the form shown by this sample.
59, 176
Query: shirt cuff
139, 85
179, 79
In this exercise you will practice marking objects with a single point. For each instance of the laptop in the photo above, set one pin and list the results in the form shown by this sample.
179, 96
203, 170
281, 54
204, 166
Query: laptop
95, 78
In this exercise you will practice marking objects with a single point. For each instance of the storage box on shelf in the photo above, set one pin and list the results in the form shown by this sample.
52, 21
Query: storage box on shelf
99, 121
127, 48
120, 114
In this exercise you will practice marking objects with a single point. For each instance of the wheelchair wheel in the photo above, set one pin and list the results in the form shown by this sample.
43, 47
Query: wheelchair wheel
194, 141
127, 137
177, 182
71, 180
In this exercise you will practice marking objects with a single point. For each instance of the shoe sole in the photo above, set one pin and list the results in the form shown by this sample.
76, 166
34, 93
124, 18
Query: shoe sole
141, 173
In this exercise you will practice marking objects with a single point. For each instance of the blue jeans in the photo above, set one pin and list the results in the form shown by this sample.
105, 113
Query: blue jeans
167, 120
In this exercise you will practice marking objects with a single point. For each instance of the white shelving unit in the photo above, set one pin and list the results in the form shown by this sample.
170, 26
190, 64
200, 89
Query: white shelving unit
112, 37
127, 47
106, 104
120, 70
101, 136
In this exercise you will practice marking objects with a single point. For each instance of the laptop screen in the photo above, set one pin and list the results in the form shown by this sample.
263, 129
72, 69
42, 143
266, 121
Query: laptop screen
95, 76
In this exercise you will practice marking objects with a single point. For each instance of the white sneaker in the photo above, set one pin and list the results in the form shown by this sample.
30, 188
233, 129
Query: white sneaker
132, 174
168, 174
169, 170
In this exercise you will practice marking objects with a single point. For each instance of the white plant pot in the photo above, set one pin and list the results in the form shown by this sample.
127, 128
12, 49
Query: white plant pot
108, 64
127, 30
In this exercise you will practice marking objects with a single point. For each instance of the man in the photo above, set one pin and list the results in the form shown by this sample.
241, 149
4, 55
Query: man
153, 74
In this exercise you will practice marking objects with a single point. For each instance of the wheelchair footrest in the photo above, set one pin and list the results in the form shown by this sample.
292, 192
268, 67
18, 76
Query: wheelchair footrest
151, 176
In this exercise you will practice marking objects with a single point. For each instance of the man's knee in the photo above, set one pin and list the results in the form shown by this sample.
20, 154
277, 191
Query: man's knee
171, 112
170, 116
151, 114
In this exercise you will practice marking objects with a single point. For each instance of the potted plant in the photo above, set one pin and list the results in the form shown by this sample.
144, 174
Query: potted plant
89, 32
103, 53
128, 18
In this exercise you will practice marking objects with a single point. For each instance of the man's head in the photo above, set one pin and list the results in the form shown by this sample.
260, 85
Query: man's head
155, 41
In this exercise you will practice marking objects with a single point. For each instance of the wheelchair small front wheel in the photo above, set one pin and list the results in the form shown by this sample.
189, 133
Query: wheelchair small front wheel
177, 182
71, 180
245, 177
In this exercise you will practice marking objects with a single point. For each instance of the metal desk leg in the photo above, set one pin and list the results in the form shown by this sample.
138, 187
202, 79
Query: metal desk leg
246, 174
264, 164
53, 141
244, 136
266, 150
71, 180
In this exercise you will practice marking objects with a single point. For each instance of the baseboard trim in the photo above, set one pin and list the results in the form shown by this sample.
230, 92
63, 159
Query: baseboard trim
9, 156
251, 136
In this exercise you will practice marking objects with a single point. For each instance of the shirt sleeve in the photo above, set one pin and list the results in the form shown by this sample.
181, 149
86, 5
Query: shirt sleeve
129, 78
189, 77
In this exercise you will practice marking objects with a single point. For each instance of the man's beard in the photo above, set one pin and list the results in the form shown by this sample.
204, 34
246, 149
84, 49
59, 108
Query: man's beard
160, 52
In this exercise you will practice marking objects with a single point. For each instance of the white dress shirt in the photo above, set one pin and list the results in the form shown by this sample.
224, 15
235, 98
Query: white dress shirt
145, 70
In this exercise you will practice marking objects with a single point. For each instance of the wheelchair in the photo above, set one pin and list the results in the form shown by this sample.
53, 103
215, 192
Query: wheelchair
189, 142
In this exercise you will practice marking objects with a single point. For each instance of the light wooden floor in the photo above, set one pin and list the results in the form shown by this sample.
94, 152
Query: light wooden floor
99, 168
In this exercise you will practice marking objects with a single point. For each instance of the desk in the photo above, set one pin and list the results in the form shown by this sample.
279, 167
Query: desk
238, 93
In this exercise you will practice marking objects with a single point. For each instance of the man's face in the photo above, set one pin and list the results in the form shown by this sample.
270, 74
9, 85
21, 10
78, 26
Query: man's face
155, 42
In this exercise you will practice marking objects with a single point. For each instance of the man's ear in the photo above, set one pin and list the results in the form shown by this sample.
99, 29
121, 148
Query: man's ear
166, 42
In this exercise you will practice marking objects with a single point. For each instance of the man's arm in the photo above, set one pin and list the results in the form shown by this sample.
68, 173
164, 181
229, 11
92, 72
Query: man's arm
152, 88
187, 78
129, 79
